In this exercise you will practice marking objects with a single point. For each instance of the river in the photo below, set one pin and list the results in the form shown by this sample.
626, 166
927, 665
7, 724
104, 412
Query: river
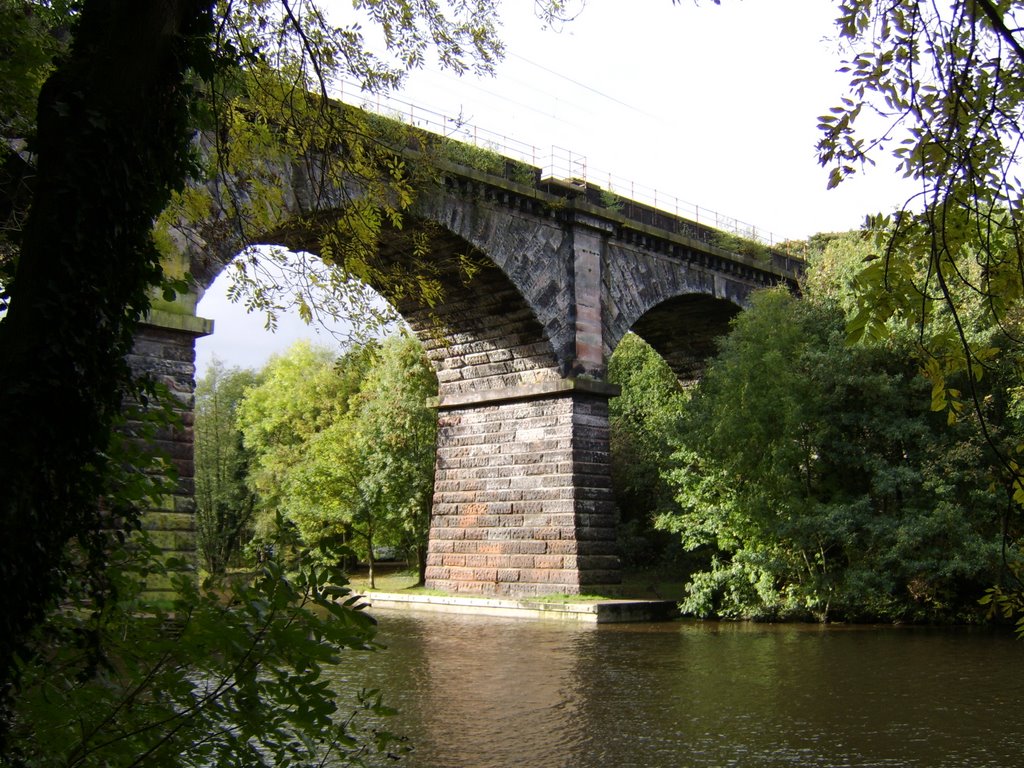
479, 692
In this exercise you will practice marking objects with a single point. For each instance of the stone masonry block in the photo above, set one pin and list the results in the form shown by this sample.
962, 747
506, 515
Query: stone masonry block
563, 547
548, 534
550, 561
551, 576
513, 513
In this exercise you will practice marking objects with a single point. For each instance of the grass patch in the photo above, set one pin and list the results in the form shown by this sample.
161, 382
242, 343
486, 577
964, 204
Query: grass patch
560, 598
637, 584
389, 579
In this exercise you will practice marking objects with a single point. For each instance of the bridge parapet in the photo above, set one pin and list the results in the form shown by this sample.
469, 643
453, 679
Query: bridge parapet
634, 222
491, 150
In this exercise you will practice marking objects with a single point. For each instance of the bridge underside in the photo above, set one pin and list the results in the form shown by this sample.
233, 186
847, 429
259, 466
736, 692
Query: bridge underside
684, 331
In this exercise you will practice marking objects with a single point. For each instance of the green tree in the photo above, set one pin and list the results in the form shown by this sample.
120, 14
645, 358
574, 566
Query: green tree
399, 428
642, 420
301, 393
361, 472
945, 82
224, 501
81, 276
79, 260
819, 483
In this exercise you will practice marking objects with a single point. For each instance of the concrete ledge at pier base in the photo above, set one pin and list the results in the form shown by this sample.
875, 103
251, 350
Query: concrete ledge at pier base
179, 321
591, 611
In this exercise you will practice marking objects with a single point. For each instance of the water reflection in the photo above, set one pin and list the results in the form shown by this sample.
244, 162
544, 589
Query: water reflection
497, 693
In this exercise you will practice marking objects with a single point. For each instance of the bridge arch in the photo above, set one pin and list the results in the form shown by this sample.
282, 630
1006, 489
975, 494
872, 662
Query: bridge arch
478, 329
510, 493
679, 300
684, 331
505, 303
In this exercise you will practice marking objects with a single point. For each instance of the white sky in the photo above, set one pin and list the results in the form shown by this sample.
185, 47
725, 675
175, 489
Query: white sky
716, 105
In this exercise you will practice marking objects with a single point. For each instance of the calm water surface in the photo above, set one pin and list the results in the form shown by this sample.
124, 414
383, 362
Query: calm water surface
480, 692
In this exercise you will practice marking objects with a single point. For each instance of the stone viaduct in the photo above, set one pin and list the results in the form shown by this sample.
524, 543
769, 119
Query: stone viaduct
523, 501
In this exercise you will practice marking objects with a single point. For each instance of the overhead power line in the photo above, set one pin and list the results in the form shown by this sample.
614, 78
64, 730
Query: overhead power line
586, 87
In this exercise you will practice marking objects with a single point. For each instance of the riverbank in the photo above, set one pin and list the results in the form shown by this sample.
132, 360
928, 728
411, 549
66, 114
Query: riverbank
640, 600
594, 611
646, 584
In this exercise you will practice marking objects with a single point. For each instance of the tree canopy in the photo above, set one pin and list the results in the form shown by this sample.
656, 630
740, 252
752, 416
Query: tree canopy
817, 480
344, 449
224, 502
939, 88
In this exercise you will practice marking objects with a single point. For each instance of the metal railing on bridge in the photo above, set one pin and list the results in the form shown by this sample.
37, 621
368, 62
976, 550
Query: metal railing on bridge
556, 162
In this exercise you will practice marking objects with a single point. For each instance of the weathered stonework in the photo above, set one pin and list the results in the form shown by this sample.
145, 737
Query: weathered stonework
522, 496
165, 350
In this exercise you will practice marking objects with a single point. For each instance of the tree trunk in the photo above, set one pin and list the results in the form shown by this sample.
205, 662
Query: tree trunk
369, 559
421, 564
113, 141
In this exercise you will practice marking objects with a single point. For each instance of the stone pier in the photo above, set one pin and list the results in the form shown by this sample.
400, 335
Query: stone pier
165, 350
522, 498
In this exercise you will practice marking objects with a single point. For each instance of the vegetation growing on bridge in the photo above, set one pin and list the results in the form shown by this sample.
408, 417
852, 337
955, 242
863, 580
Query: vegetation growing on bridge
487, 160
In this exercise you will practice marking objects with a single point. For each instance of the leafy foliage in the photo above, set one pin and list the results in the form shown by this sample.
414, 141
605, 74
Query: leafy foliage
216, 678
742, 245
396, 435
345, 450
272, 112
1007, 604
489, 161
818, 482
224, 502
228, 673
31, 37
300, 394
946, 83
